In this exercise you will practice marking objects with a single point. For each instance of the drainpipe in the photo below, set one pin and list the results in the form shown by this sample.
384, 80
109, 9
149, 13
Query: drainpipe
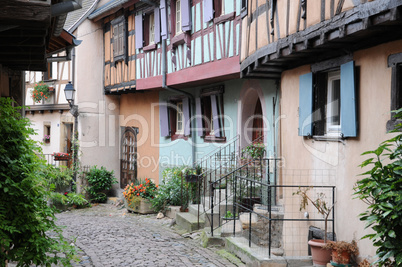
192, 100
65, 7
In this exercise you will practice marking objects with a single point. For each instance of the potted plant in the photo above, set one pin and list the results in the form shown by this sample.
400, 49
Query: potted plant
320, 256
137, 196
40, 91
254, 151
46, 139
342, 251
230, 216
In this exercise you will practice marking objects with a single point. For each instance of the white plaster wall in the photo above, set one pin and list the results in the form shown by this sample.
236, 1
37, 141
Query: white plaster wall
98, 114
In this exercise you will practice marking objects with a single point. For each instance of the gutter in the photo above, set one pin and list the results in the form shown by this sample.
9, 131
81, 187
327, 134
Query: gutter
191, 97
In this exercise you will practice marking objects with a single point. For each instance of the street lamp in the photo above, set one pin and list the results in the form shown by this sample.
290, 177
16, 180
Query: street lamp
69, 92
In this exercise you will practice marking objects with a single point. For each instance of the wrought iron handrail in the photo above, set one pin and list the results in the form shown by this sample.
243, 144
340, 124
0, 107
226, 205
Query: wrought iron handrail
249, 183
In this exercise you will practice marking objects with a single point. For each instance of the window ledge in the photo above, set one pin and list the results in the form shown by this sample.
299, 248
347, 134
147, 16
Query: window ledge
329, 138
179, 136
212, 138
180, 39
149, 47
224, 18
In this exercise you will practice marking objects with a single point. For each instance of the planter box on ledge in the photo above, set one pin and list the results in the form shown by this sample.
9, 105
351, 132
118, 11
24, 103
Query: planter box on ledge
139, 205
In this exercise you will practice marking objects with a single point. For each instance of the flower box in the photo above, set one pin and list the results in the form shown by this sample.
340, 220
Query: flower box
61, 156
139, 205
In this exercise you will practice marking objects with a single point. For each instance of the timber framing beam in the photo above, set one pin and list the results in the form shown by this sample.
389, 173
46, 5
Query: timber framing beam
364, 26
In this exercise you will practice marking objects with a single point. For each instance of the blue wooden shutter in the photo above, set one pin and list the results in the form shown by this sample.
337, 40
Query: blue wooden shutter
198, 113
164, 119
138, 32
348, 100
185, 15
164, 29
186, 116
208, 10
215, 115
157, 28
306, 105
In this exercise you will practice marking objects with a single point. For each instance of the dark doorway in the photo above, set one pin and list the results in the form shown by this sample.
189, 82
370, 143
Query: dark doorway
258, 123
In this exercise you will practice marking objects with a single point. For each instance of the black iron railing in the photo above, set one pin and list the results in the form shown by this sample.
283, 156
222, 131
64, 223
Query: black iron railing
254, 184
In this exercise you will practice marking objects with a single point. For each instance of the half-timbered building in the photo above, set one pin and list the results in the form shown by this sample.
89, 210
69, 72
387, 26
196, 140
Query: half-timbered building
338, 64
174, 66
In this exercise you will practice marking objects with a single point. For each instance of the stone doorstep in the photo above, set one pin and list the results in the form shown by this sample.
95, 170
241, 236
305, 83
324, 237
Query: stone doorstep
227, 228
208, 240
171, 211
258, 256
188, 221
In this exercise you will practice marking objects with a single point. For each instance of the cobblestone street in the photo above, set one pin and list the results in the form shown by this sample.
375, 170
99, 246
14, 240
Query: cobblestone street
109, 236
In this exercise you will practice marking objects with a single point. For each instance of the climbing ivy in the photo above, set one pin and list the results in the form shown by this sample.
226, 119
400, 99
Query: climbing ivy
28, 233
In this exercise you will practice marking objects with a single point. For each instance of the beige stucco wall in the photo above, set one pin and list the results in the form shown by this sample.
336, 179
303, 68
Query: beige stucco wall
98, 118
336, 163
137, 110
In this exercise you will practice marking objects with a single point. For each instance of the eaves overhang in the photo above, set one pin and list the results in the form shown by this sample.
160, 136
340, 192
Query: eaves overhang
364, 26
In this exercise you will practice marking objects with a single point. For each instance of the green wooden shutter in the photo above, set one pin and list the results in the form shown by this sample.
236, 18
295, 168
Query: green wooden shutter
306, 104
348, 100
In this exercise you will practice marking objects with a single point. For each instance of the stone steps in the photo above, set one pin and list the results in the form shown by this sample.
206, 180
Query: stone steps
256, 256
189, 221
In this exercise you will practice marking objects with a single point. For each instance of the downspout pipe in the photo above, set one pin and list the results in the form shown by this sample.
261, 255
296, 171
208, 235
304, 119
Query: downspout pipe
65, 7
190, 96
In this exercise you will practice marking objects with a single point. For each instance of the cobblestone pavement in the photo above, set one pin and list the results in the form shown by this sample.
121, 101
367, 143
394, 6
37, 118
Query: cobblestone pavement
109, 236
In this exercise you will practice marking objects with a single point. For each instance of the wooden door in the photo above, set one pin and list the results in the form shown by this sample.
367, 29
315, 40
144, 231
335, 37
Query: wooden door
128, 162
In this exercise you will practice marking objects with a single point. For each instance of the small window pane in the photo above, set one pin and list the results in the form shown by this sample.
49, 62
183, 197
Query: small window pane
178, 17
336, 103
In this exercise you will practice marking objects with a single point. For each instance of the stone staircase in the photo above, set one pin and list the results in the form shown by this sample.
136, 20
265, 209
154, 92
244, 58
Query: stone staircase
234, 236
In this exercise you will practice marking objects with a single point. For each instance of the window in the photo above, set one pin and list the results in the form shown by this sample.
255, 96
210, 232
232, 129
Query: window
243, 8
175, 118
147, 29
395, 61
46, 133
209, 114
119, 38
333, 103
178, 17
179, 118
151, 28
213, 9
327, 103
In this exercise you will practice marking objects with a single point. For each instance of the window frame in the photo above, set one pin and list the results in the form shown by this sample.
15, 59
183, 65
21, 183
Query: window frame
243, 8
395, 62
172, 106
119, 39
207, 114
313, 99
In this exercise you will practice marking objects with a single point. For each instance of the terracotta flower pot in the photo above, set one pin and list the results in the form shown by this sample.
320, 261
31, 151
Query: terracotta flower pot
343, 258
320, 256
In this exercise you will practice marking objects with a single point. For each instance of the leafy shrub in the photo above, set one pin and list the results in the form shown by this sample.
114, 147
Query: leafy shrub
100, 181
382, 191
170, 192
61, 177
68, 199
26, 221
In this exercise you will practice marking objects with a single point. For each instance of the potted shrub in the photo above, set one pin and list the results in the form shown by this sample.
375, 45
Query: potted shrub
46, 139
320, 256
138, 196
193, 175
342, 251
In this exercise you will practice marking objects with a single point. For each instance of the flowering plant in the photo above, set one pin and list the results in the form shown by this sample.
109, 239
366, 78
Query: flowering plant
60, 154
146, 189
40, 91
46, 138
